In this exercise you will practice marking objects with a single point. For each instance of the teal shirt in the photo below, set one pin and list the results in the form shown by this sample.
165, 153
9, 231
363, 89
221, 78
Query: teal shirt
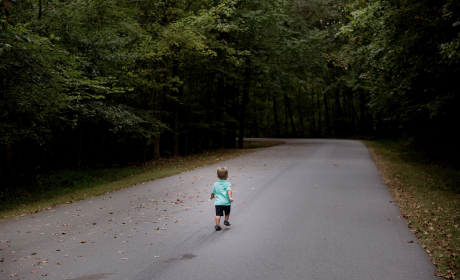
220, 190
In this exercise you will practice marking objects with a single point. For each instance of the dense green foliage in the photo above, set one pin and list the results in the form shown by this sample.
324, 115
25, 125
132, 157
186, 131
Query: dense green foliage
100, 82
406, 52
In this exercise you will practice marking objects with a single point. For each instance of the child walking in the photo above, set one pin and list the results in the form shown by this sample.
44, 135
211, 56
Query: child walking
222, 191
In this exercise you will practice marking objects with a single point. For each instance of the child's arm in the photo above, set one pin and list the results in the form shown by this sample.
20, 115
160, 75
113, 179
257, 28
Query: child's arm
230, 195
212, 196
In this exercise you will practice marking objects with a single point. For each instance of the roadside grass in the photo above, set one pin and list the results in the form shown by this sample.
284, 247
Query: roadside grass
427, 192
259, 144
63, 187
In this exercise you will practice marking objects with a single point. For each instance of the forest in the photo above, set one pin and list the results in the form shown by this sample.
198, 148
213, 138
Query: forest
91, 83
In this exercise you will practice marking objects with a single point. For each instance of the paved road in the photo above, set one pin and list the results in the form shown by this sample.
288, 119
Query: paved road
308, 209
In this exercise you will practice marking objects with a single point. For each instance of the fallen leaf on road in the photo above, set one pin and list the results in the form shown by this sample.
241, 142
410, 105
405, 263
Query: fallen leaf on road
410, 241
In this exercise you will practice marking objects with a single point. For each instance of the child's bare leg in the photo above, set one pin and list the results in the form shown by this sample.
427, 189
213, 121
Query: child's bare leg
217, 220
227, 216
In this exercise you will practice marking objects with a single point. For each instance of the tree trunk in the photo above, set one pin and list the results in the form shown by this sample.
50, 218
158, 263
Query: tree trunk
362, 107
355, 115
319, 112
275, 115
80, 147
156, 140
288, 107
156, 148
221, 109
244, 102
300, 113
346, 113
286, 118
255, 126
326, 111
157, 107
146, 149
222, 141
175, 129
186, 144
176, 111
313, 122
10, 159
339, 126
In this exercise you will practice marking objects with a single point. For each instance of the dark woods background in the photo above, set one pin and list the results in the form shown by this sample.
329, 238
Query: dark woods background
92, 83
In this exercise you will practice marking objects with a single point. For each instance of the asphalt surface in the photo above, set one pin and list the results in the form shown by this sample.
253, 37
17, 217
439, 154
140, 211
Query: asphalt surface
308, 209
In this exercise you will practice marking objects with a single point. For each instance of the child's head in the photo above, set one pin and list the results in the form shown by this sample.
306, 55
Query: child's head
222, 172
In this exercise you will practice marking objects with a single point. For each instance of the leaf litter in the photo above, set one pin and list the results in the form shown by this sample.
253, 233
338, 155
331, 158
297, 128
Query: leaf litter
432, 213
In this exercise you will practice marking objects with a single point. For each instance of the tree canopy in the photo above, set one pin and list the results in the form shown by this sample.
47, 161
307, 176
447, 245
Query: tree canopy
96, 82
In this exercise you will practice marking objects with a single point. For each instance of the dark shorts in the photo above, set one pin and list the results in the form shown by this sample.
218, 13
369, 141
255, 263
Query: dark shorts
220, 209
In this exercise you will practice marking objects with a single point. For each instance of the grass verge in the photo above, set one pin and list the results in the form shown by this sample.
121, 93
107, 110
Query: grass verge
428, 195
259, 144
64, 187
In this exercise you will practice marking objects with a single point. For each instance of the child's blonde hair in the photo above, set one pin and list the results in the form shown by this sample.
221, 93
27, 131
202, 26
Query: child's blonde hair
222, 172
